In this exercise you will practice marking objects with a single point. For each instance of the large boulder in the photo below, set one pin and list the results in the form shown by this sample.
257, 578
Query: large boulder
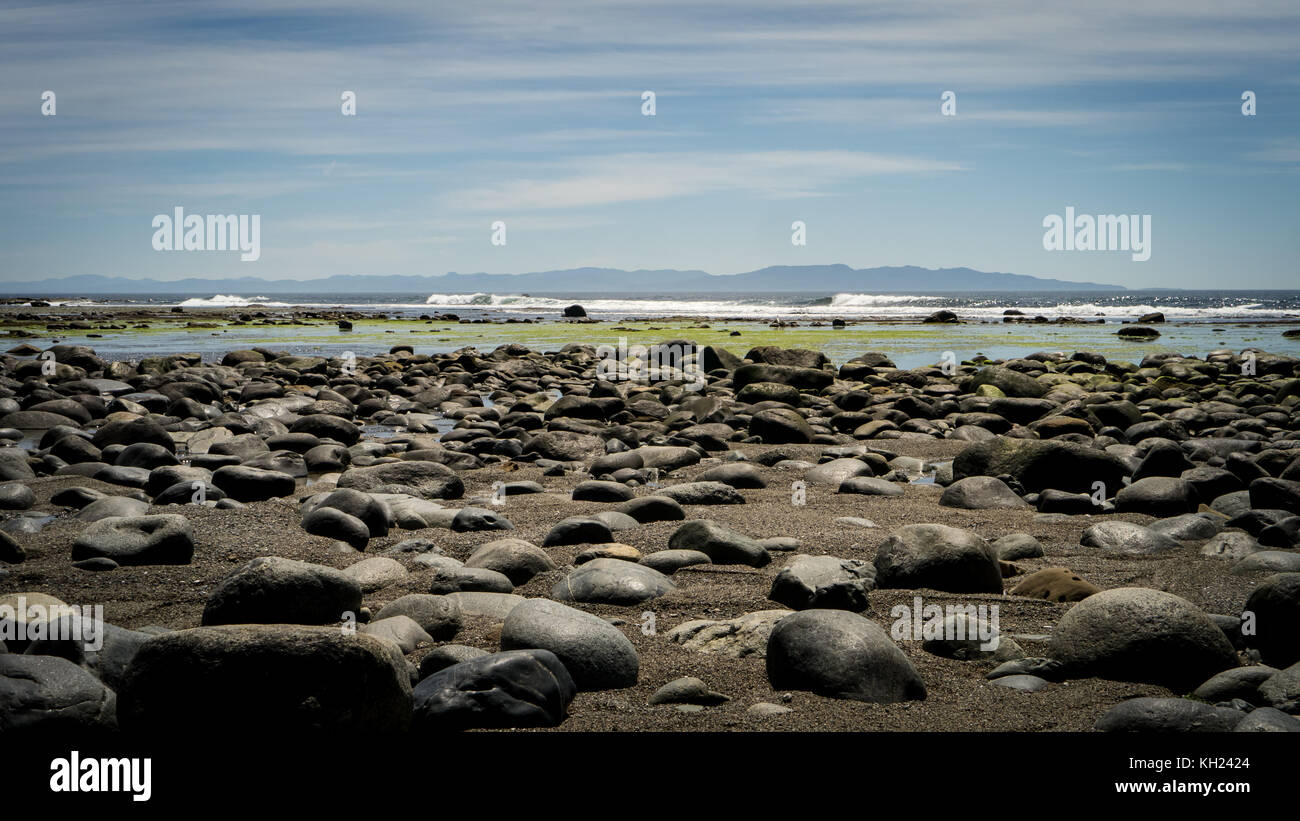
516, 559
1157, 496
595, 652
823, 583
439, 616
612, 581
517, 688
981, 493
703, 493
1126, 537
1282, 689
333, 523
1275, 608
132, 431
834, 472
1168, 715
1039, 464
424, 480
162, 539
780, 426
1275, 494
720, 543
371, 511
327, 426
1011, 383
249, 484
564, 446
938, 557
250, 679
48, 695
646, 509
840, 654
275, 590
1139, 634
805, 379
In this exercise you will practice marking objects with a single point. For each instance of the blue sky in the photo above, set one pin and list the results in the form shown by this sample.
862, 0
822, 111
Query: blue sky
766, 113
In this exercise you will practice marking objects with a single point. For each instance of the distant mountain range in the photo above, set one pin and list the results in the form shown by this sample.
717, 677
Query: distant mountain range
776, 278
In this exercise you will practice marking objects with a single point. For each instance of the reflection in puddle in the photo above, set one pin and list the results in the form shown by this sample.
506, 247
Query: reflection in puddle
29, 522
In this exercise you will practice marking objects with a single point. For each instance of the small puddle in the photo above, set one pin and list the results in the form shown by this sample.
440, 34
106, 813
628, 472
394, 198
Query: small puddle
28, 523
31, 439
382, 431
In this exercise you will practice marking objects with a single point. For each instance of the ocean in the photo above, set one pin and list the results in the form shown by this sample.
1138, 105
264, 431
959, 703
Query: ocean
1197, 322
1125, 305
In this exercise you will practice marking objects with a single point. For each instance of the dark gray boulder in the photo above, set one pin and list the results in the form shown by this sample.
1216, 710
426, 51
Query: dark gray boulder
516, 688
840, 654
275, 590
597, 655
938, 557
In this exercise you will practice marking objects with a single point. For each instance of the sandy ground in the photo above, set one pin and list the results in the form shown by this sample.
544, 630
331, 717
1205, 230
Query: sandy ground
959, 699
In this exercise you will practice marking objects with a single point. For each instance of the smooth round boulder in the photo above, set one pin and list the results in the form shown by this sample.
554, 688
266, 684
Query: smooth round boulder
1157, 496
517, 559
595, 652
981, 493
1126, 537
597, 491
131, 431
327, 426
424, 480
16, 496
720, 543
110, 506
1144, 635
938, 557
376, 573
448, 655
1274, 606
276, 590
870, 486
439, 616
840, 654
703, 493
780, 426
578, 530
669, 562
834, 472
364, 506
333, 523
248, 484
1168, 715
612, 581
48, 694
646, 509
736, 474
139, 540
474, 519
1015, 546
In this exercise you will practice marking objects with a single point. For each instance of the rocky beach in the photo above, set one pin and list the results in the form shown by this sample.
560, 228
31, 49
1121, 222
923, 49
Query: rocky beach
748, 538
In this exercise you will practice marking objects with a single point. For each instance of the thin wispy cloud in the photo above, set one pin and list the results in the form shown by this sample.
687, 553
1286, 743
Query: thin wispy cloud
826, 112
